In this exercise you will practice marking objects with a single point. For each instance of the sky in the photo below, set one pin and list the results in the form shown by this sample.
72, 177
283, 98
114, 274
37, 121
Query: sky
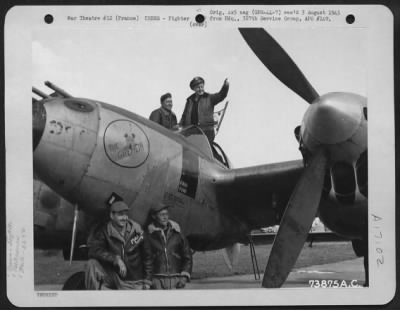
133, 67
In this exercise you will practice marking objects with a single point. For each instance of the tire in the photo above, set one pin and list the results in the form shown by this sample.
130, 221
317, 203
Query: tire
76, 282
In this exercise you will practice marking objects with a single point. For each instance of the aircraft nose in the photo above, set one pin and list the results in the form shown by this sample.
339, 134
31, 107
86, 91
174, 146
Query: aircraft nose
65, 134
333, 118
38, 122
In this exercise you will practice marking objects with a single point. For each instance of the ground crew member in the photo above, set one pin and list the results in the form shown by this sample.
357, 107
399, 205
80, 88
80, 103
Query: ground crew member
199, 108
164, 115
116, 254
168, 250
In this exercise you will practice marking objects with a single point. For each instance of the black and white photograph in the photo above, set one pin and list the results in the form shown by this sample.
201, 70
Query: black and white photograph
221, 155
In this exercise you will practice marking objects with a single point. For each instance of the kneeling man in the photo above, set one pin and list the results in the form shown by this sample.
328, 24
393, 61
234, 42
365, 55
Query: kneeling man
116, 254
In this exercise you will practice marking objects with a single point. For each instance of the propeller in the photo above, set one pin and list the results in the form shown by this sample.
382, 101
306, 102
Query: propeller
296, 221
274, 57
304, 201
330, 120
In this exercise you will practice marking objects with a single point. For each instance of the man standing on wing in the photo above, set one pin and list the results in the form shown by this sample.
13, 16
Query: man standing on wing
199, 108
116, 254
168, 250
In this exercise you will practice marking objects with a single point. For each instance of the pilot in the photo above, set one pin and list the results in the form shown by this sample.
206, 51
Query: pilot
168, 250
199, 108
164, 115
116, 253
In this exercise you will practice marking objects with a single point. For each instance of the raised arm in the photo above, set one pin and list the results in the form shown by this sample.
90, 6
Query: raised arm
221, 95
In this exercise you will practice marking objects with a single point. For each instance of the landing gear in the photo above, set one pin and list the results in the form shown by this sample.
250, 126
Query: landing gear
360, 247
76, 282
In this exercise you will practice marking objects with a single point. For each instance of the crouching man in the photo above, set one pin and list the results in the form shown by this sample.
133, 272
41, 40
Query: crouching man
168, 251
116, 254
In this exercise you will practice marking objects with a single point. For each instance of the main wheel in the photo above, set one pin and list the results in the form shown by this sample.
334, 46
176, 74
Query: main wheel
76, 282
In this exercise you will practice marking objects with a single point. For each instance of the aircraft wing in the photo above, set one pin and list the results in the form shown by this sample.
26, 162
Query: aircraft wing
258, 195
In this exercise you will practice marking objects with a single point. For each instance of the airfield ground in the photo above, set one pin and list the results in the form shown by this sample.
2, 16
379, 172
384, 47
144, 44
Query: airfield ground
51, 269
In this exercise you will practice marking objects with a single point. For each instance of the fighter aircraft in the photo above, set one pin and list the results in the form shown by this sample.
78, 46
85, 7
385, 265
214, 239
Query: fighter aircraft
91, 153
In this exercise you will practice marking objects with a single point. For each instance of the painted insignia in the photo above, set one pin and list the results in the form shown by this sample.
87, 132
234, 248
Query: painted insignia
126, 144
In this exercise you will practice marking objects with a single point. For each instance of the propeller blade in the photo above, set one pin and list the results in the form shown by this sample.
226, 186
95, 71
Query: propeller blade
296, 222
274, 57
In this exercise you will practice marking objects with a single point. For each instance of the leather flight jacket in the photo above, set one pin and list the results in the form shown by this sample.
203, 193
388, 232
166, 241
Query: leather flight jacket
205, 108
169, 253
105, 243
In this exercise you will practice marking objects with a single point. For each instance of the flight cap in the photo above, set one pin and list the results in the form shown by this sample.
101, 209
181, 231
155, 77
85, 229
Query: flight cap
159, 207
119, 206
196, 81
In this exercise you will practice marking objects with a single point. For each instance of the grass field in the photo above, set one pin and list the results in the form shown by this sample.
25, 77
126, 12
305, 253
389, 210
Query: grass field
50, 267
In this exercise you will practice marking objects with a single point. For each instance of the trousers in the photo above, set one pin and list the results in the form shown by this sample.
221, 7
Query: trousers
165, 282
100, 277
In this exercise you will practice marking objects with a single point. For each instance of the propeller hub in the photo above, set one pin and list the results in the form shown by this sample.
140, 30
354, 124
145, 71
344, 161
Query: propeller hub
332, 119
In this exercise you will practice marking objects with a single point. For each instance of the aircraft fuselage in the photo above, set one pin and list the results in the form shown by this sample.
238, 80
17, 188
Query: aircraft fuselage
90, 151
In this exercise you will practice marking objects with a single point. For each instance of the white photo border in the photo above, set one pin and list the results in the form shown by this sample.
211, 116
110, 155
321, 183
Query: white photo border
22, 21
